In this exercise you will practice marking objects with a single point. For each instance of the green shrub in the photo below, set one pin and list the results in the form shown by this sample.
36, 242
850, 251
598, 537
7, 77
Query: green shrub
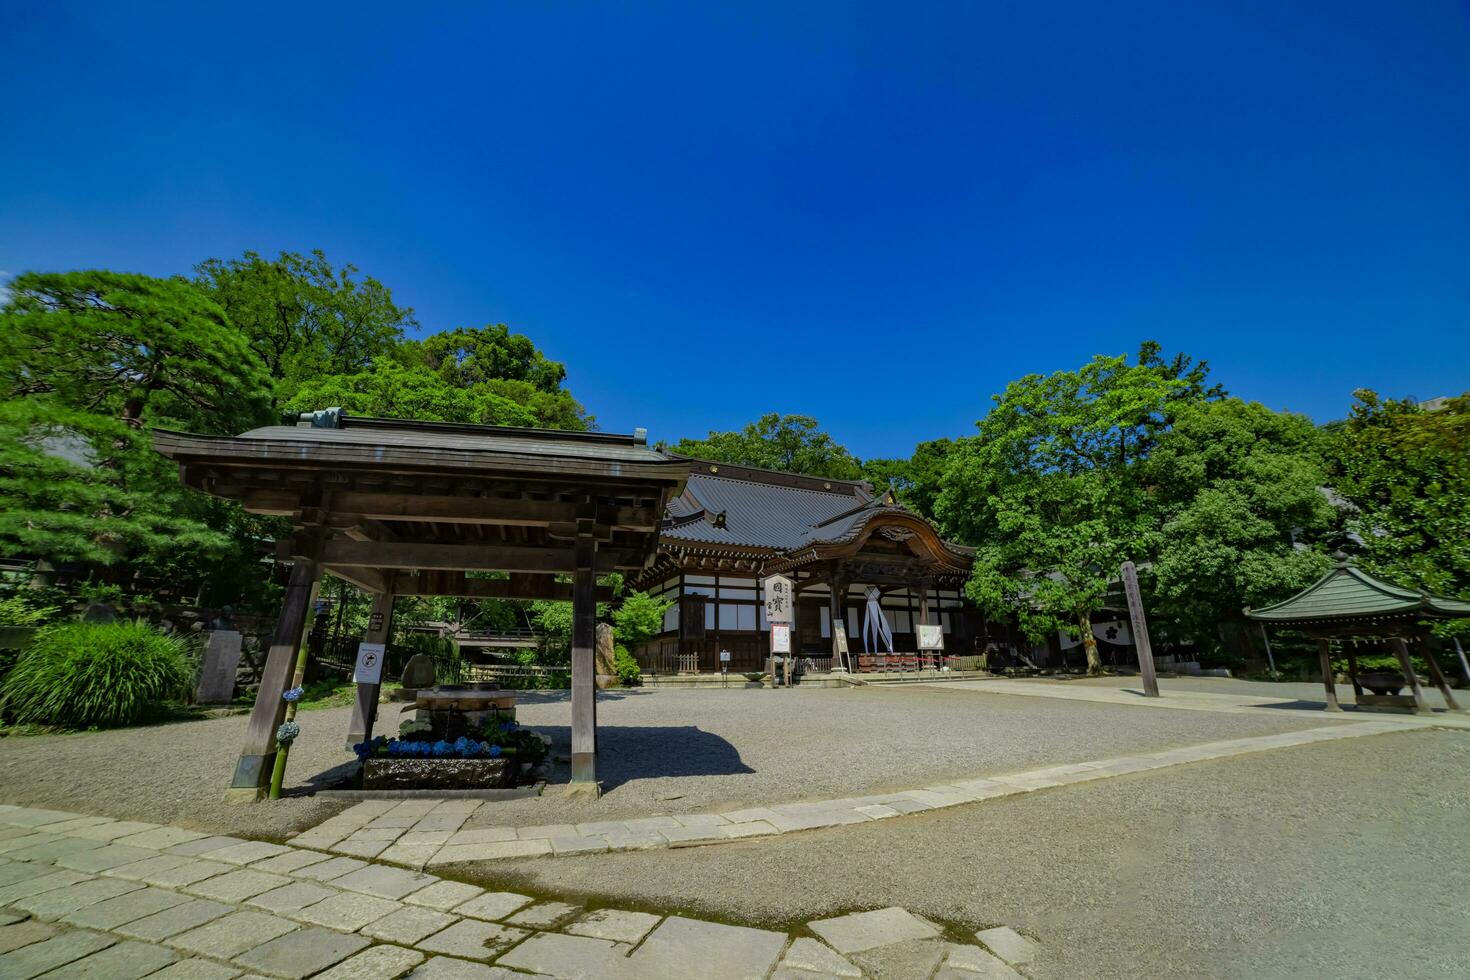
98, 675
627, 668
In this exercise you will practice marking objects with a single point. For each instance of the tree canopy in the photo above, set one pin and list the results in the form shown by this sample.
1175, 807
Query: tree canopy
304, 318
1239, 493
791, 443
1405, 469
917, 480
1044, 490
90, 360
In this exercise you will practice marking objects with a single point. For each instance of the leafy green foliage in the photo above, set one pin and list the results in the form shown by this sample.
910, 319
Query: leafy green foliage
639, 617
129, 347
98, 675
791, 443
916, 481
1406, 470
628, 671
302, 317
450, 377
1047, 490
1238, 488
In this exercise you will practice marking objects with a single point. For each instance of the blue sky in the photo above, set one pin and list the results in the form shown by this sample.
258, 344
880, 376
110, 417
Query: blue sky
877, 215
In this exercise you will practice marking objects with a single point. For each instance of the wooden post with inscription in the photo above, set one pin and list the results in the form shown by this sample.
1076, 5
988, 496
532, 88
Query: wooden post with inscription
584, 668
1140, 631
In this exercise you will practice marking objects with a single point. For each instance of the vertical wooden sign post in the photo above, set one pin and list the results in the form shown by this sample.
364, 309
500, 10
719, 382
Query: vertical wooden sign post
780, 597
1140, 631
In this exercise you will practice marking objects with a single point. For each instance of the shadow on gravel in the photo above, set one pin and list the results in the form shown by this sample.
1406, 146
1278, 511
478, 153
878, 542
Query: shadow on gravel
628, 752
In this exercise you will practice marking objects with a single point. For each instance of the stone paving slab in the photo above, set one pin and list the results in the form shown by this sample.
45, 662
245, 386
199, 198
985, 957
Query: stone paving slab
343, 925
128, 960
301, 953
37, 958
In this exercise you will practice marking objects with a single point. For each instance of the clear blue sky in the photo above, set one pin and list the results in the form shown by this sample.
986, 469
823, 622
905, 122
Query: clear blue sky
874, 215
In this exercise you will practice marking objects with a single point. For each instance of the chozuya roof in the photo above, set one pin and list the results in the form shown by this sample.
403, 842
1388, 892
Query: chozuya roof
330, 437
791, 519
1348, 593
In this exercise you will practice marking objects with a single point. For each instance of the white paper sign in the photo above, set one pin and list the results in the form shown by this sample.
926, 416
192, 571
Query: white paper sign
780, 638
780, 595
369, 668
931, 636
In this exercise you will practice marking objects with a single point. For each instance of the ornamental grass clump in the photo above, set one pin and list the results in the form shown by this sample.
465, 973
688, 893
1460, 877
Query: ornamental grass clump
97, 675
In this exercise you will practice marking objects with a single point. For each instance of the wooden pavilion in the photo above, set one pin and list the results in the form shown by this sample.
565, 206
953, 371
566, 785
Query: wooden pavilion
731, 525
408, 508
1349, 606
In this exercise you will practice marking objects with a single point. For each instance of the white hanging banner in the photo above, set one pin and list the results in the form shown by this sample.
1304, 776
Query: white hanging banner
875, 624
1066, 640
1116, 632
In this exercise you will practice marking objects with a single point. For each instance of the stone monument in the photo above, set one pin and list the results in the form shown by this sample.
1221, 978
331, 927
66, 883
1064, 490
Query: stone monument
418, 673
217, 675
606, 660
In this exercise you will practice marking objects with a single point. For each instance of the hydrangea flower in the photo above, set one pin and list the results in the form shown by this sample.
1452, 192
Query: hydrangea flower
294, 694
494, 751
287, 733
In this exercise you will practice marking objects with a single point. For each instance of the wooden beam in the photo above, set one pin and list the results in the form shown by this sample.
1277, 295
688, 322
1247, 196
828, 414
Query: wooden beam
445, 509
367, 579
272, 503
457, 557
537, 587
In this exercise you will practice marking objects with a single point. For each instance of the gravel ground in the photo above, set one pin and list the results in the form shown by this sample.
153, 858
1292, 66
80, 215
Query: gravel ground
661, 752
686, 751
173, 774
1344, 859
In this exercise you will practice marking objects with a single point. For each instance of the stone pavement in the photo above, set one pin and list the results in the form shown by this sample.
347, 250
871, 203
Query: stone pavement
90, 898
420, 833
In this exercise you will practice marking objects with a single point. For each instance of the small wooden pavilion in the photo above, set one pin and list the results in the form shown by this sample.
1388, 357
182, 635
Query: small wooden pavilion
1349, 606
408, 508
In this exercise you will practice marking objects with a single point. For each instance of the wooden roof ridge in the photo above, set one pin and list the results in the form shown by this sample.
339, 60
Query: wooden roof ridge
1361, 595
720, 469
638, 437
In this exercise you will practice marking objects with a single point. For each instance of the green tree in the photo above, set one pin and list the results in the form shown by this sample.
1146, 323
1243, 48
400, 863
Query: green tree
451, 377
140, 349
792, 443
90, 360
1239, 490
916, 481
304, 318
1406, 470
639, 617
1047, 490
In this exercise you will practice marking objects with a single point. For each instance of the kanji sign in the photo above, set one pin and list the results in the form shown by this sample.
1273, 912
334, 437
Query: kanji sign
931, 636
780, 638
780, 598
369, 669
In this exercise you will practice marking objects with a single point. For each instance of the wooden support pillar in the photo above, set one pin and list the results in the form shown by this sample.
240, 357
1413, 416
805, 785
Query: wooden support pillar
1421, 707
584, 669
1440, 681
379, 630
1324, 652
1351, 651
258, 754
836, 595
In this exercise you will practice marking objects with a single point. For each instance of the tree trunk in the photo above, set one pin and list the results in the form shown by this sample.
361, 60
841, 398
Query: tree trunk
1089, 645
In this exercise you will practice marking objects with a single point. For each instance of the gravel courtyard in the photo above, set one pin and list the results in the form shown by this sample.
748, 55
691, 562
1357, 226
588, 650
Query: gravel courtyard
661, 752
1343, 859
